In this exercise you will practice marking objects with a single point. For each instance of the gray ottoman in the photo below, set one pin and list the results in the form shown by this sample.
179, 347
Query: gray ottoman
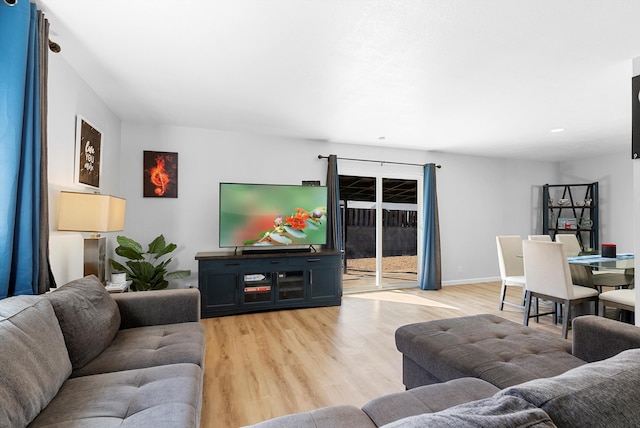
487, 347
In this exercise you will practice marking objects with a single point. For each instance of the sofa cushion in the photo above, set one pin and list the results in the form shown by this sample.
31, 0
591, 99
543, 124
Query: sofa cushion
326, 417
600, 394
33, 358
427, 399
88, 316
151, 346
494, 412
158, 397
488, 347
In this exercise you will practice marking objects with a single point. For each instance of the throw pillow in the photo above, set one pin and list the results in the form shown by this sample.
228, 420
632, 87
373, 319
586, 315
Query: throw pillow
494, 412
88, 316
33, 359
599, 394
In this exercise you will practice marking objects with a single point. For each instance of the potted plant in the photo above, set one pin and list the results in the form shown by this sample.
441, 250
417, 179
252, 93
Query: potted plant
145, 269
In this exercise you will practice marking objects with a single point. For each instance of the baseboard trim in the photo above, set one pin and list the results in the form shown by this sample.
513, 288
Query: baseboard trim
471, 281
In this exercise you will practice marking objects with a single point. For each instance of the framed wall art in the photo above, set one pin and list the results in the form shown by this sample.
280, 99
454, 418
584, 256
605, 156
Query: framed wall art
88, 154
160, 174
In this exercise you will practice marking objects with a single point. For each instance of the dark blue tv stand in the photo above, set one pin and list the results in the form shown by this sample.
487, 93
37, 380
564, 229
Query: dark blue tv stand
235, 284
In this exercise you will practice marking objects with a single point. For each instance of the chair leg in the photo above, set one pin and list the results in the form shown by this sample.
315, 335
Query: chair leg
503, 292
566, 311
601, 308
527, 307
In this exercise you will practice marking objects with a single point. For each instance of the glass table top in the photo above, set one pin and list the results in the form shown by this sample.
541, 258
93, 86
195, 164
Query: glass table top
622, 261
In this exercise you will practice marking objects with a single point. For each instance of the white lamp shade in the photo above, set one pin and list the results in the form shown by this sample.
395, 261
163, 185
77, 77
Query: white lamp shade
91, 212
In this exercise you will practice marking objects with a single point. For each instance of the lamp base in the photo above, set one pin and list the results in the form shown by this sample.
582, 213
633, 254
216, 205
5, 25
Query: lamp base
95, 250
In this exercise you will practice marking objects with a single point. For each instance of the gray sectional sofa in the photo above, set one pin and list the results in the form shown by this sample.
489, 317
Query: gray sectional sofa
80, 357
600, 387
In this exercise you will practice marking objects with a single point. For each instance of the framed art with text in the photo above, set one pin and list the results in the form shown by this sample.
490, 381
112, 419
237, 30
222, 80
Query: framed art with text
160, 174
88, 154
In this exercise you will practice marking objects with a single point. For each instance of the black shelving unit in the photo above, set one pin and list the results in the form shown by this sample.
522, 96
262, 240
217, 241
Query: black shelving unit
572, 208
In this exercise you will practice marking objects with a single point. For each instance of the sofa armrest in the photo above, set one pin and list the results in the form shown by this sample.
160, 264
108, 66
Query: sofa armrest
597, 338
144, 308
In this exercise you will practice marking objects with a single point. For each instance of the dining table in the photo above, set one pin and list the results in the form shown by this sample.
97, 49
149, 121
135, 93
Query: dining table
597, 262
596, 271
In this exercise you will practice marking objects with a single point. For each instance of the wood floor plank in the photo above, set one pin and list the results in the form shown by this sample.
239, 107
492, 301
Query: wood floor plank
263, 365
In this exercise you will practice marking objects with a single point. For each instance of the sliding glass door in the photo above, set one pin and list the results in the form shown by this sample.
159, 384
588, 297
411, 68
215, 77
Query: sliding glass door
380, 218
399, 231
358, 199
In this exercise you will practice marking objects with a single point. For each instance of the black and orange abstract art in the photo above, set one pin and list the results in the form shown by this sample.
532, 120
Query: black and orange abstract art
160, 175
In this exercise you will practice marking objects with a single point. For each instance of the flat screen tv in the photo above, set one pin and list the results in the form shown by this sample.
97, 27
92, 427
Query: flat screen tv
268, 215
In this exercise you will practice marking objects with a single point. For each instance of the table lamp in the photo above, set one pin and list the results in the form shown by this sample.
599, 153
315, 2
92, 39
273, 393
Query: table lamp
95, 213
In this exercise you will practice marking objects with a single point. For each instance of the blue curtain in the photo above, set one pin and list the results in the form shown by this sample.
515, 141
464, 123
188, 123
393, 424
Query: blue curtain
334, 224
430, 267
20, 147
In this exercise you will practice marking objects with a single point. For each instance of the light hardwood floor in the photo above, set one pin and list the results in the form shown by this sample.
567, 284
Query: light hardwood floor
263, 365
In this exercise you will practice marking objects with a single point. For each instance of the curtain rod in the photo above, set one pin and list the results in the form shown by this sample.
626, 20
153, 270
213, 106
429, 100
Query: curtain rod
380, 162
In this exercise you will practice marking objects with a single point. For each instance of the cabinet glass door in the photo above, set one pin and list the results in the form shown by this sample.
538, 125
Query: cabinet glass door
257, 287
290, 285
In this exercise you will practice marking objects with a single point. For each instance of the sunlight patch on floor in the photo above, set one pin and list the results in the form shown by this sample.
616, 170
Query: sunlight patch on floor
397, 296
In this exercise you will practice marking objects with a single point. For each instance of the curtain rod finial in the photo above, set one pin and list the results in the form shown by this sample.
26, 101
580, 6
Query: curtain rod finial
55, 48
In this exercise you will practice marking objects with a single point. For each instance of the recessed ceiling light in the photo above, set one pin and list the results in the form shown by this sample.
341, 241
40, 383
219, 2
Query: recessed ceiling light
557, 130
382, 138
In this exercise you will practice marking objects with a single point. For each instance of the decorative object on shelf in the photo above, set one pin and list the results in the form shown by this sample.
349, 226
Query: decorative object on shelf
144, 268
88, 154
580, 203
585, 223
160, 178
567, 223
563, 201
587, 202
95, 213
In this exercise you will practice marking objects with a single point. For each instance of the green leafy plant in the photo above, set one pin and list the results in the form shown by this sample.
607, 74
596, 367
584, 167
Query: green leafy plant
145, 269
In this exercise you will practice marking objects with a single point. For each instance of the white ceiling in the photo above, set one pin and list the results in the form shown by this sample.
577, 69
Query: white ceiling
490, 77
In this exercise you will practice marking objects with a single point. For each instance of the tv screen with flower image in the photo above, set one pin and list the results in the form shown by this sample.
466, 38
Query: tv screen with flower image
263, 215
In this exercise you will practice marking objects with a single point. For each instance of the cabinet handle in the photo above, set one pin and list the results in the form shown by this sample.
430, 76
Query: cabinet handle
232, 264
310, 276
313, 260
275, 262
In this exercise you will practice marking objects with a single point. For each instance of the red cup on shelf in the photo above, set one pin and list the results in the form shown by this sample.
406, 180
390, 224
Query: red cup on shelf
609, 250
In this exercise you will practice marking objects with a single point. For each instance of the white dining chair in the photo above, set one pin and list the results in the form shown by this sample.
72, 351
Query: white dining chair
548, 277
511, 266
539, 238
621, 299
571, 245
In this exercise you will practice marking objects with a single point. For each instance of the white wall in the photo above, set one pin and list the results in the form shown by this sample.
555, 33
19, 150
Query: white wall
614, 174
479, 197
69, 96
